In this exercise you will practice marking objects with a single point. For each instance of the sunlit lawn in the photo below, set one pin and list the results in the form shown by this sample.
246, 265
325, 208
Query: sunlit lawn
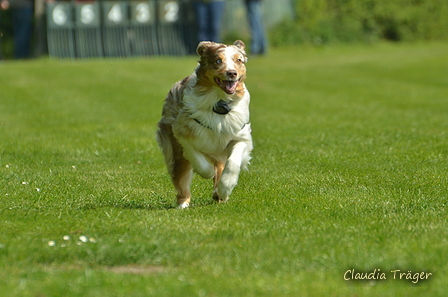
349, 172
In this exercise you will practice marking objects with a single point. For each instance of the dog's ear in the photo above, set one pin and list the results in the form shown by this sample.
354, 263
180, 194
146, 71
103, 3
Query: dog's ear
239, 44
202, 46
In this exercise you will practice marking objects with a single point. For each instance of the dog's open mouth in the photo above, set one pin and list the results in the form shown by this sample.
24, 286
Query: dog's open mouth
228, 86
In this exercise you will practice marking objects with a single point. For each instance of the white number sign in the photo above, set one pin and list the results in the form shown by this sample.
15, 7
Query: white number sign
171, 11
59, 15
115, 14
142, 13
87, 14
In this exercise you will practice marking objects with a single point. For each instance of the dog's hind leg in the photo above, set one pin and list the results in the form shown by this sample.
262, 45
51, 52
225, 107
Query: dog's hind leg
181, 175
179, 168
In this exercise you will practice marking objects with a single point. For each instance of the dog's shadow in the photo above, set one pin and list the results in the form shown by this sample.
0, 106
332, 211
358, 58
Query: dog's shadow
149, 206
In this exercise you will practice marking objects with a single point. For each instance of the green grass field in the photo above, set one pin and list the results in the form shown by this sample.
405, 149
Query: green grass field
349, 171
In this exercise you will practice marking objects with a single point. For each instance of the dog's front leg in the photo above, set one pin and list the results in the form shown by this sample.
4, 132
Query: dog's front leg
239, 156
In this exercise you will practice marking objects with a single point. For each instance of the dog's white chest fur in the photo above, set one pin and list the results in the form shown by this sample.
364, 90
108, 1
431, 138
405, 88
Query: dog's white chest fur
209, 132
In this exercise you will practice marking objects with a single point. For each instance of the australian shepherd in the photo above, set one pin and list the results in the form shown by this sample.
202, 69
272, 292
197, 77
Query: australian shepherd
205, 122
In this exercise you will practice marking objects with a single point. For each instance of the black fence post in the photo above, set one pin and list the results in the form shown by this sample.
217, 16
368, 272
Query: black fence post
121, 28
61, 41
170, 28
142, 30
115, 29
88, 30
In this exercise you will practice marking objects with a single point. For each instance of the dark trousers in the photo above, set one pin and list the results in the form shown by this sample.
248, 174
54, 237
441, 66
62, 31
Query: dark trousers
255, 14
22, 22
209, 19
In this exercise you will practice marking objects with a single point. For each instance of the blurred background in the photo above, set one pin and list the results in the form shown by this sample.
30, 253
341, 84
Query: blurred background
89, 29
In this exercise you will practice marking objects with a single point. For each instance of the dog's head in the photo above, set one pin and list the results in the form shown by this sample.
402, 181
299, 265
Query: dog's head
222, 66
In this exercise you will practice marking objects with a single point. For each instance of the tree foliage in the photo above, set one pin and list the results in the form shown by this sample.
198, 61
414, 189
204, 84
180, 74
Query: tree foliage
329, 21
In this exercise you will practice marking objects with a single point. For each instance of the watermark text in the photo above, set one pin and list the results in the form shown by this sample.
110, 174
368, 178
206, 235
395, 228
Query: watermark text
396, 274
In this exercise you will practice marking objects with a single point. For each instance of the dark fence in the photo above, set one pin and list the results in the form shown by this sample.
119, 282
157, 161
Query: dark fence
140, 28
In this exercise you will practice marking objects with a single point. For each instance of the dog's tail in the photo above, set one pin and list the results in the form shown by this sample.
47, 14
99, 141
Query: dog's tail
165, 138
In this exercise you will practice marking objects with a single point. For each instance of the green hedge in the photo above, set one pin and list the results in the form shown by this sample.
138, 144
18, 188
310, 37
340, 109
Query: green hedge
328, 21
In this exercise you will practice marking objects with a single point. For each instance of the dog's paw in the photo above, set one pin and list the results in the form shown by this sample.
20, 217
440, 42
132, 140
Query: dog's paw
223, 200
218, 199
183, 205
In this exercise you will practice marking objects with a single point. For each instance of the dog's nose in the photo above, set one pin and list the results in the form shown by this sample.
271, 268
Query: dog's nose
231, 74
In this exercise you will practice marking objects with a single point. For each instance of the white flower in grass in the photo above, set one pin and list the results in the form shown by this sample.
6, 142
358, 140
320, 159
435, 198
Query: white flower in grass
52, 243
83, 238
66, 237
92, 240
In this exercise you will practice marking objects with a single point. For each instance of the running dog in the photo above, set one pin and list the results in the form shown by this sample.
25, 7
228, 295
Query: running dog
205, 122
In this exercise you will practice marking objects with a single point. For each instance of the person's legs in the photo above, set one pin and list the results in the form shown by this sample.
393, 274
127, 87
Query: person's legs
216, 13
255, 16
22, 22
202, 21
1, 48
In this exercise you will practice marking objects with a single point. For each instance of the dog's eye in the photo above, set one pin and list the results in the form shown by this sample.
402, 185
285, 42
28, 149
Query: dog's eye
239, 60
219, 61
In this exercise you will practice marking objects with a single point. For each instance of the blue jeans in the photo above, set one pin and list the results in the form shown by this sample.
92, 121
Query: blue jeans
209, 20
258, 44
22, 22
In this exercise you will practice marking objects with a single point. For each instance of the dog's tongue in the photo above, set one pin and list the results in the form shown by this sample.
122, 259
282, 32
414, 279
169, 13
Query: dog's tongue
230, 85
